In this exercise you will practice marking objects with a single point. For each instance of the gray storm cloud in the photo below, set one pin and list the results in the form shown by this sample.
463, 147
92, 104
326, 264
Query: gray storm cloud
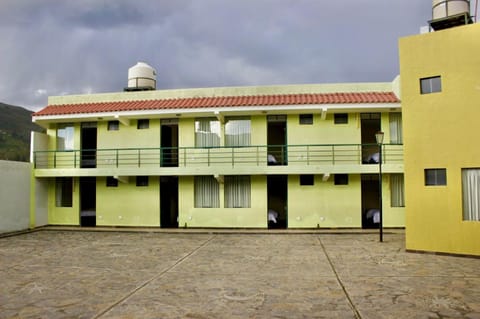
52, 47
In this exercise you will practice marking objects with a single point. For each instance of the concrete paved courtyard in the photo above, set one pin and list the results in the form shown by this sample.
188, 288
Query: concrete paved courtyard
81, 274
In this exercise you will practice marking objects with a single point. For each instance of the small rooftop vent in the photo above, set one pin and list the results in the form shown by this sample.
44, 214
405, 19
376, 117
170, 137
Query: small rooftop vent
141, 77
450, 13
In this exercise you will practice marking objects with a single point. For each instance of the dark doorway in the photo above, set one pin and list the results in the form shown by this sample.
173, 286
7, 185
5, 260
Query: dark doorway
277, 198
169, 143
277, 139
370, 200
88, 141
169, 201
371, 124
88, 200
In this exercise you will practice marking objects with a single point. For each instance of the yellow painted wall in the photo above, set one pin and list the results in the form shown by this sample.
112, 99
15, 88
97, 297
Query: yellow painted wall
323, 131
128, 204
128, 135
256, 216
140, 206
440, 131
328, 205
327, 132
259, 130
125, 205
63, 215
52, 137
186, 132
324, 204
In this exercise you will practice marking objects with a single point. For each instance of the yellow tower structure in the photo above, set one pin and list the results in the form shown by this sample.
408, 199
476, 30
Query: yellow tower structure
440, 90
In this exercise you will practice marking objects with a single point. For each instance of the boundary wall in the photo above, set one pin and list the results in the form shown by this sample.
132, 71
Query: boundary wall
15, 196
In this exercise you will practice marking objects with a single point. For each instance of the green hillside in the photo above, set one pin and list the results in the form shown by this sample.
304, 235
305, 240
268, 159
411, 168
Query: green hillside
15, 127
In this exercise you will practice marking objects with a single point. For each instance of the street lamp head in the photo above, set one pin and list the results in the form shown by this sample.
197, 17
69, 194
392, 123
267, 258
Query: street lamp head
379, 137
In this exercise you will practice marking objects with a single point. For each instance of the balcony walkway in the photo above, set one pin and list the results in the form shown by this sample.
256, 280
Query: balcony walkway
83, 274
264, 159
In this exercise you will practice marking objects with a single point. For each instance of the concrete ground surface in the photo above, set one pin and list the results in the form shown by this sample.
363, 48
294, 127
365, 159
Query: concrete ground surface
83, 274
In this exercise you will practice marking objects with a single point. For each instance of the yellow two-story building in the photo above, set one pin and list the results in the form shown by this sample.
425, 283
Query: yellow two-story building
299, 156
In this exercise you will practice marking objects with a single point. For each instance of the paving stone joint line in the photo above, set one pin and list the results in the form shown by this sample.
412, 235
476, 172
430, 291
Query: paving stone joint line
350, 302
159, 275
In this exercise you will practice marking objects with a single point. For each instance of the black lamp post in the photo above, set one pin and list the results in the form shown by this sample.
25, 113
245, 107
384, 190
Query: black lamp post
379, 138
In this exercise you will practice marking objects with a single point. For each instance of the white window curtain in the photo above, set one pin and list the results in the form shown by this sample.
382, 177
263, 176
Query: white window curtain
397, 190
237, 192
207, 132
471, 194
237, 132
65, 137
396, 135
206, 192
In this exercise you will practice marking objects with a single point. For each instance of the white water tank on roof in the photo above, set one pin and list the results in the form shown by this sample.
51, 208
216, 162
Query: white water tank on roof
141, 76
447, 8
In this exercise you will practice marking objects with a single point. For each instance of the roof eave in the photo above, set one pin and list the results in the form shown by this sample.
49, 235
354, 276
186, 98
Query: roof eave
43, 120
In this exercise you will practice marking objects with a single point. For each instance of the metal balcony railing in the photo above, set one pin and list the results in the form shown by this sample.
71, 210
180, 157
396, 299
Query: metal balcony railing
321, 154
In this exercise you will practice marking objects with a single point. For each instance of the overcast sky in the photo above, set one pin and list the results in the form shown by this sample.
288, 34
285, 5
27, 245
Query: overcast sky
57, 47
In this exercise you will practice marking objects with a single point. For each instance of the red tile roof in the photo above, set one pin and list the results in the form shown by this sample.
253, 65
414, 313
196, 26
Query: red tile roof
226, 101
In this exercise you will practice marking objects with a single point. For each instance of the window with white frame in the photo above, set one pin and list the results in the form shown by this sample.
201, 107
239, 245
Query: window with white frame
237, 192
65, 137
207, 132
63, 191
396, 134
237, 131
397, 190
206, 191
471, 194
